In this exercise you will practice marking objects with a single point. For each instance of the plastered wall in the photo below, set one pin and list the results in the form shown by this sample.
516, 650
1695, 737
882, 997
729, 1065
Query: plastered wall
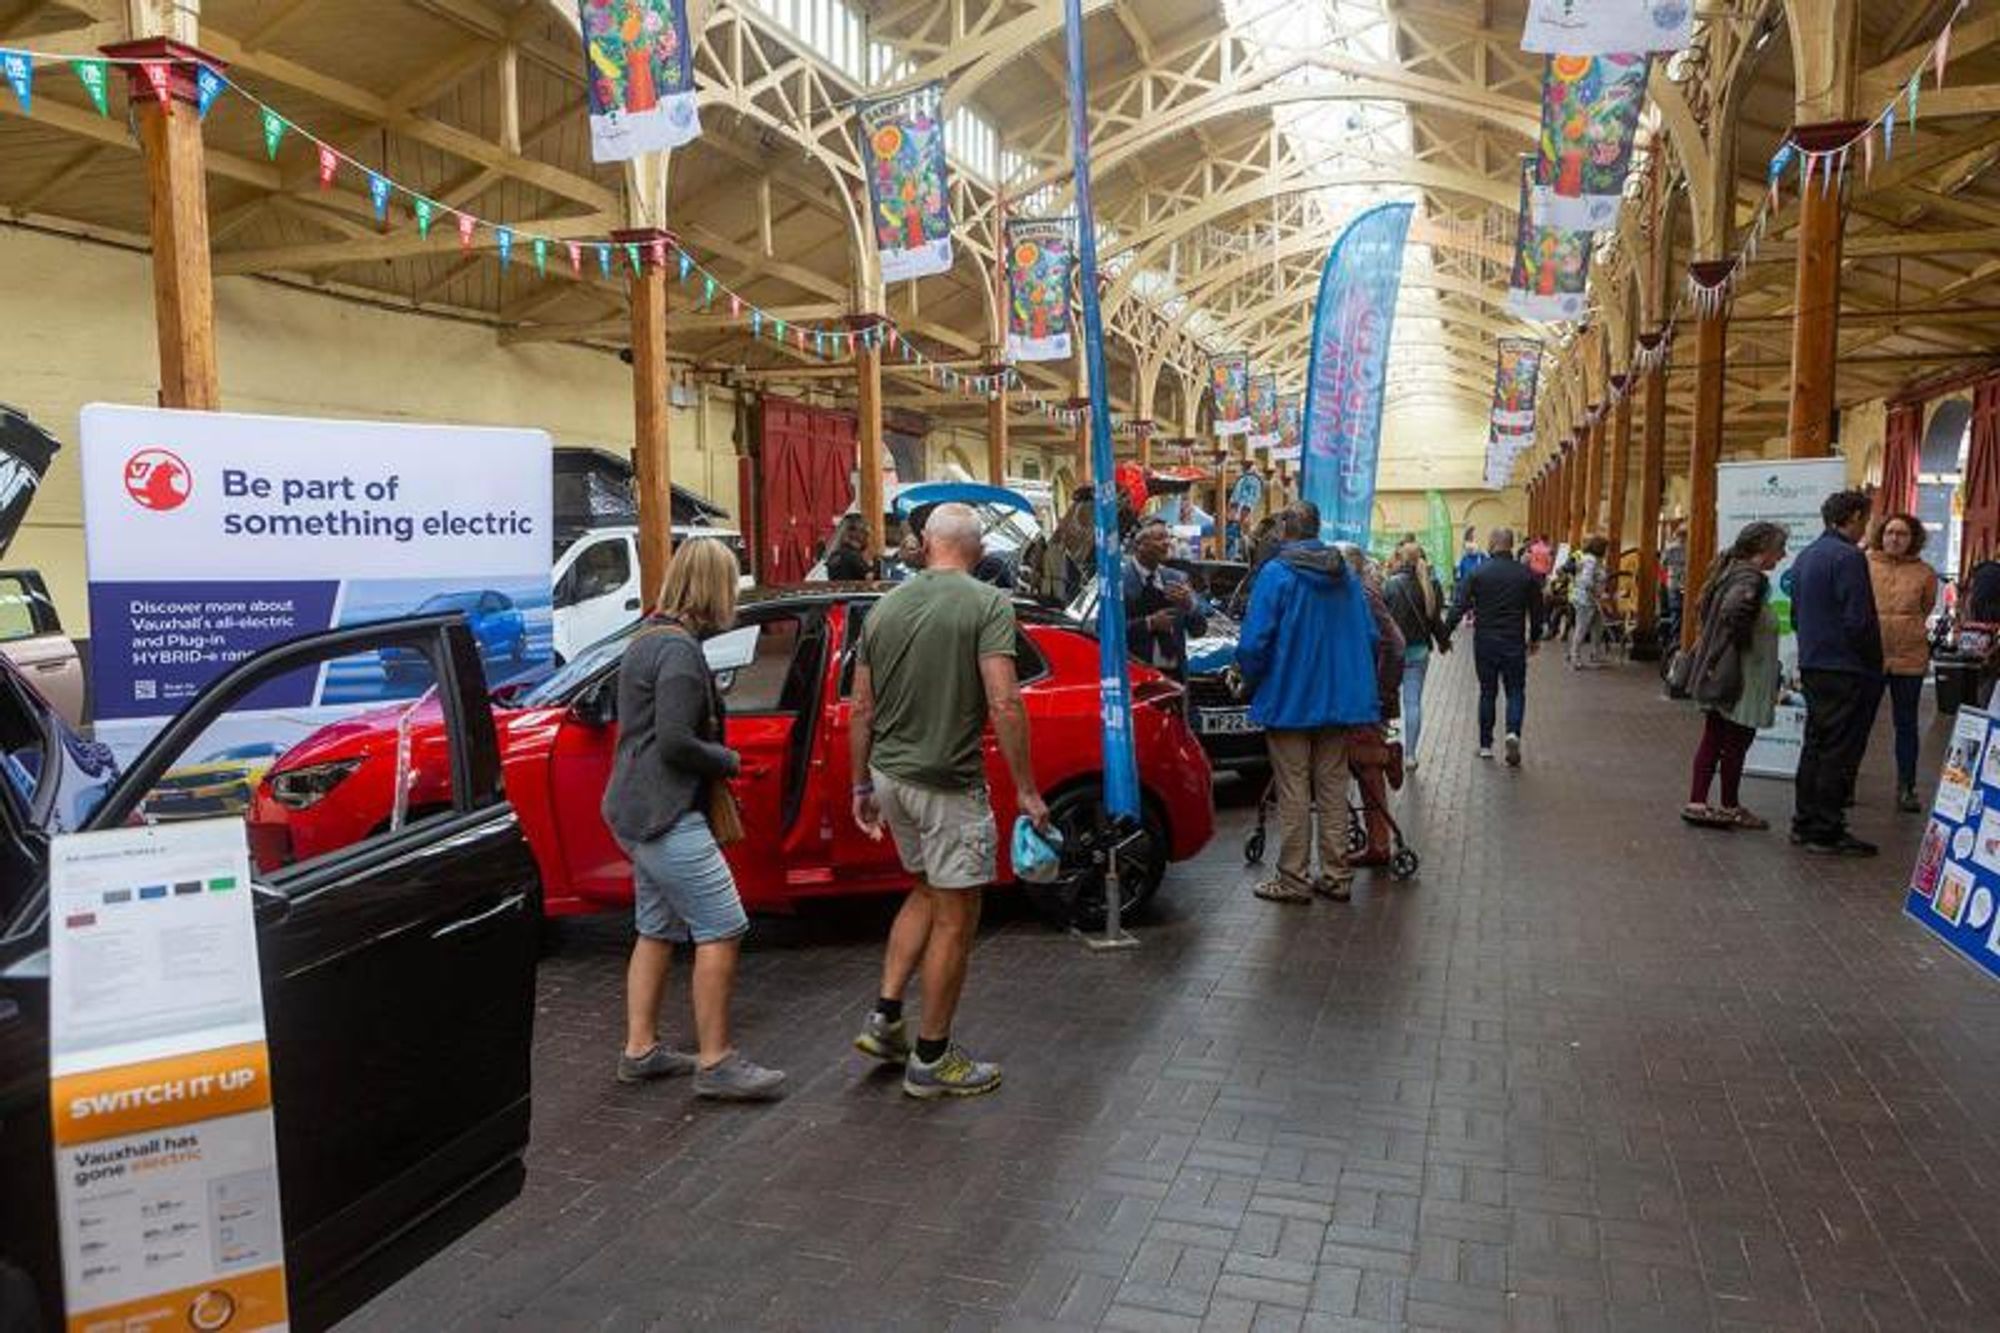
76, 326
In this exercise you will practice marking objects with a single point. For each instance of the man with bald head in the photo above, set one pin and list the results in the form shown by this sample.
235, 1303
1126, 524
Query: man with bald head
936, 662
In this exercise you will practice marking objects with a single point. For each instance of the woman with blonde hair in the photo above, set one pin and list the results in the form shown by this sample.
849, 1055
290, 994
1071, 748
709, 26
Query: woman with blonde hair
668, 778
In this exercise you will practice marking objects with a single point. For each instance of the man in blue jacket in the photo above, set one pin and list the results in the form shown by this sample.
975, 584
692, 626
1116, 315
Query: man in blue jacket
1307, 653
1840, 663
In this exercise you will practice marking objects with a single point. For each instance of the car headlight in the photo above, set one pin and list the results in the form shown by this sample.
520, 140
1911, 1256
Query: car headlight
303, 788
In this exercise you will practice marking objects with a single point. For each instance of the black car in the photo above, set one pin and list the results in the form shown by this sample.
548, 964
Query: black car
399, 976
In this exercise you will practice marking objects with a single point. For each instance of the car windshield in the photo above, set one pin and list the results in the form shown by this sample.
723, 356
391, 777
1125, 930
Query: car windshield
558, 688
449, 601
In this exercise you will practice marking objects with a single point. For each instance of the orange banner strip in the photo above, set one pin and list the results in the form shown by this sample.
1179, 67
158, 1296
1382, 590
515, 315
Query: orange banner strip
156, 1094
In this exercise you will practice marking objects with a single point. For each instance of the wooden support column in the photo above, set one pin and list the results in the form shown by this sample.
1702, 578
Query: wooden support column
868, 425
1710, 386
1593, 481
996, 421
176, 184
1579, 468
1816, 325
1619, 467
1652, 494
652, 459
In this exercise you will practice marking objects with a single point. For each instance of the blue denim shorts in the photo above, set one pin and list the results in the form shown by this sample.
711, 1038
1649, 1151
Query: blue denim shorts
681, 887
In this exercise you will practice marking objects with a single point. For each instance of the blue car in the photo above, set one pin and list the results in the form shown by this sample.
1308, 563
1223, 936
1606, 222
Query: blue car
497, 626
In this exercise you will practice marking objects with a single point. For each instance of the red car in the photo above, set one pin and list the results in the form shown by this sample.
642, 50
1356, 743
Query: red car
785, 671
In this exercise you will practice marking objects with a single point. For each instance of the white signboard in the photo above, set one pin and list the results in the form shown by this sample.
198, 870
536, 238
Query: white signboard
166, 1162
1790, 492
212, 535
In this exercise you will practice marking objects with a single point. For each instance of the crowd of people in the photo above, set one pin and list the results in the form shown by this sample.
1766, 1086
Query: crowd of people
1333, 656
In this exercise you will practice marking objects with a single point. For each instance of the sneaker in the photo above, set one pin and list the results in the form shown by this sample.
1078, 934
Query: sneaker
1845, 845
735, 1079
1906, 801
1340, 888
882, 1040
1411, 763
1513, 750
1277, 891
660, 1062
1485, 752
955, 1074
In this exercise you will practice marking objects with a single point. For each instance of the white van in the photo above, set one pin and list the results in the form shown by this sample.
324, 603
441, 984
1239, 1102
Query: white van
597, 581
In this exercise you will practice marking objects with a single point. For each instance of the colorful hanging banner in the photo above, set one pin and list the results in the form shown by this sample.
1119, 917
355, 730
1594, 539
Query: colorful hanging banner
1121, 769
1437, 536
1590, 116
902, 146
1040, 259
1352, 328
1607, 27
1514, 380
1229, 386
1551, 266
639, 75
1263, 411
1291, 415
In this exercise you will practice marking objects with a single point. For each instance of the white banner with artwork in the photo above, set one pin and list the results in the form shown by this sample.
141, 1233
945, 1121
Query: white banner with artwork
1607, 27
212, 535
1786, 491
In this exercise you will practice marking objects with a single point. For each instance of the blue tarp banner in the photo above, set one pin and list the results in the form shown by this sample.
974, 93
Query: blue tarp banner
1352, 326
1121, 771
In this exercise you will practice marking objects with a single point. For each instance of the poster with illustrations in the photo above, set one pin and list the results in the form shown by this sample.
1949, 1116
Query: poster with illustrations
1041, 255
902, 148
1551, 265
1263, 411
1955, 884
1229, 384
1590, 116
638, 77
1606, 27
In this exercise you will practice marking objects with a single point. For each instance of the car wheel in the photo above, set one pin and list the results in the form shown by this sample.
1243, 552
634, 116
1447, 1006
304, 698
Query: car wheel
1077, 898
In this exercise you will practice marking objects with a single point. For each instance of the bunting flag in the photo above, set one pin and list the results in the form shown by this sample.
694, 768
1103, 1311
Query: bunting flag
274, 132
378, 194
329, 166
160, 79
208, 86
1352, 328
1121, 769
466, 225
20, 73
903, 152
1229, 386
1263, 411
423, 217
1551, 265
1041, 258
503, 239
1607, 27
95, 77
541, 248
639, 77
1590, 116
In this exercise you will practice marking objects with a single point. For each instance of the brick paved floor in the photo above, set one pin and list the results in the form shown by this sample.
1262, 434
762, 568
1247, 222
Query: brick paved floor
1593, 1070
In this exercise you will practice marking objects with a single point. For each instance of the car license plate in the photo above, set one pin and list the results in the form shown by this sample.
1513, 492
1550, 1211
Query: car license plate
1226, 722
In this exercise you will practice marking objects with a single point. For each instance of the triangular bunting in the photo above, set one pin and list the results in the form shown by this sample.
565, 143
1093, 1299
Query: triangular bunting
378, 194
575, 258
542, 255
423, 217
159, 78
329, 166
20, 77
208, 86
503, 238
274, 131
92, 74
467, 224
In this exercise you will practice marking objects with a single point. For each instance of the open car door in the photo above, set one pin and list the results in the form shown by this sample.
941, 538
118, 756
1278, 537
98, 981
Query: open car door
398, 976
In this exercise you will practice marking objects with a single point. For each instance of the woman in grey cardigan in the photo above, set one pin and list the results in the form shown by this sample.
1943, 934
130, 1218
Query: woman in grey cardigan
1733, 672
670, 756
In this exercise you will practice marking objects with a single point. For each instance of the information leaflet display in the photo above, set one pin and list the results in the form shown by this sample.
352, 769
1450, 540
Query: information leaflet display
1957, 876
212, 535
1787, 491
160, 1083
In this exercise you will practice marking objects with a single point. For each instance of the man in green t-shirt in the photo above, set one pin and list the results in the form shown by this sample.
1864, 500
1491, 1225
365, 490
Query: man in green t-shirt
936, 662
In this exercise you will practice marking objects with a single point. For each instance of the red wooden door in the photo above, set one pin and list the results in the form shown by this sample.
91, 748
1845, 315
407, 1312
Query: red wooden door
808, 482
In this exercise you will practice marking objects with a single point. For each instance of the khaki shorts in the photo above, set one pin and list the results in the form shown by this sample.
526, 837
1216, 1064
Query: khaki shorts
948, 837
